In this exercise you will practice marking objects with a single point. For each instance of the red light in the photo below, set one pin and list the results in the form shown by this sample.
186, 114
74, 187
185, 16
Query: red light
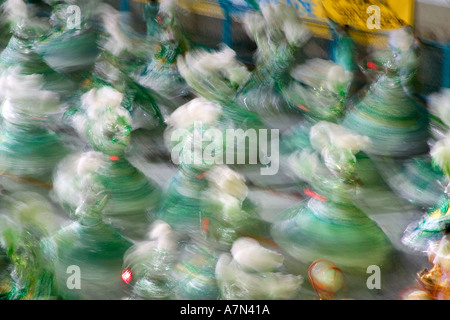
205, 225
159, 20
126, 276
202, 175
314, 195
303, 107
372, 65
114, 158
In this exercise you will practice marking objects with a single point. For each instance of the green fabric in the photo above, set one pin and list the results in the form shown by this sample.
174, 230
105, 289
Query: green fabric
29, 151
340, 232
396, 124
98, 251
195, 273
133, 198
26, 273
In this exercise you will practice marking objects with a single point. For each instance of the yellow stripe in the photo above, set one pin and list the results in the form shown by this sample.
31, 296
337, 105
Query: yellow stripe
338, 10
404, 9
185, 270
393, 14
319, 30
202, 7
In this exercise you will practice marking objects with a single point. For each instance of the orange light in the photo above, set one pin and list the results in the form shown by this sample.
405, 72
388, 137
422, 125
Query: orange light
303, 107
205, 225
126, 276
202, 175
314, 195
372, 65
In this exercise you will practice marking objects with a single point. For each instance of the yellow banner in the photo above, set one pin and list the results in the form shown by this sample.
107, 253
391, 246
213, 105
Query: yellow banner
370, 15
203, 7
369, 19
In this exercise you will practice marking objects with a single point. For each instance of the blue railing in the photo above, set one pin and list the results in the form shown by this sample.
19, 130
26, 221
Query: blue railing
237, 7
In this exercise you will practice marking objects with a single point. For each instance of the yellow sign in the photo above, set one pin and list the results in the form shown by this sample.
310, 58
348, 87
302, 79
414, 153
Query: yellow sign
311, 12
369, 20
370, 15
209, 8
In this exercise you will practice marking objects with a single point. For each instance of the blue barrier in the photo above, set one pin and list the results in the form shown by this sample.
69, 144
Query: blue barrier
444, 48
124, 5
446, 66
232, 8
